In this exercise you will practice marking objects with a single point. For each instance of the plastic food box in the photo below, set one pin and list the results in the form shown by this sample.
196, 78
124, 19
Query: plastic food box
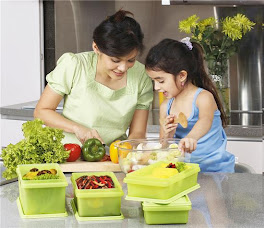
138, 153
97, 202
173, 213
142, 186
38, 197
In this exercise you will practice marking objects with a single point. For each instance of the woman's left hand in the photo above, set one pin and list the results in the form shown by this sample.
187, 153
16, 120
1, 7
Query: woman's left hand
187, 145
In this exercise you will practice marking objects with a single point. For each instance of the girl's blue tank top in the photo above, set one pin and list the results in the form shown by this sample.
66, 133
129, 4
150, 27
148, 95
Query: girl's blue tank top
211, 152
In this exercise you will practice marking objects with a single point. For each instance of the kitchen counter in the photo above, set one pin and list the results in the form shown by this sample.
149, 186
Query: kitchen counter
224, 200
24, 111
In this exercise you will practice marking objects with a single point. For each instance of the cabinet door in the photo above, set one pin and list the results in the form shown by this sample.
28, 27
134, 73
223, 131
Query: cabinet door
249, 153
11, 131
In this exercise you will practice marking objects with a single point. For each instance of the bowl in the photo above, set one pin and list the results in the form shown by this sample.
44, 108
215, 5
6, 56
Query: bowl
138, 153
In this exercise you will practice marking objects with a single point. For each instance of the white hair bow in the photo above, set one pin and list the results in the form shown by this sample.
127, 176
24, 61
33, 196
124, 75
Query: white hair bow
187, 41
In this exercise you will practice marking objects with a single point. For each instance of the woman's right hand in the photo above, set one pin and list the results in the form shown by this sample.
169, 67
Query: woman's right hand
168, 126
83, 133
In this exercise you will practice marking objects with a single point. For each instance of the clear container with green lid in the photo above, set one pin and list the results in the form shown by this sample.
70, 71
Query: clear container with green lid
97, 202
38, 197
144, 184
173, 213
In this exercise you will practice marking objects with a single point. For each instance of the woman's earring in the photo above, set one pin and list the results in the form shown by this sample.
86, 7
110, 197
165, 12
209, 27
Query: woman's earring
182, 84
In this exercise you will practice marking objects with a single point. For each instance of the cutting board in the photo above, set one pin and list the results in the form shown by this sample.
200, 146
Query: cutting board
84, 166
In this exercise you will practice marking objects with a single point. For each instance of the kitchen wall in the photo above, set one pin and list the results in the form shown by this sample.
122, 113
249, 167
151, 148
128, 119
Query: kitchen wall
76, 20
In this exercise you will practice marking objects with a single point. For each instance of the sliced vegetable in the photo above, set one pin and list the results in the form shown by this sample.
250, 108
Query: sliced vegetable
94, 182
93, 150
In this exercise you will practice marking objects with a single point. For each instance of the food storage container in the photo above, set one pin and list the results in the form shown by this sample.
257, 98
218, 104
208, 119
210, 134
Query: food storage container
154, 185
97, 202
138, 153
173, 213
42, 196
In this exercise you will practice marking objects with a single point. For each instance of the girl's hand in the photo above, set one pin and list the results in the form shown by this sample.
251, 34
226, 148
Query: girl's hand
187, 145
168, 126
83, 133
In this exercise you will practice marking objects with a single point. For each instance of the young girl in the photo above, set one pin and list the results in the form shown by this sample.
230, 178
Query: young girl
178, 71
105, 91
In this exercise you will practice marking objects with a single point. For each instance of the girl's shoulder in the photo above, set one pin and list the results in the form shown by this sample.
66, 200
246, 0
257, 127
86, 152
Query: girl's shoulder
205, 99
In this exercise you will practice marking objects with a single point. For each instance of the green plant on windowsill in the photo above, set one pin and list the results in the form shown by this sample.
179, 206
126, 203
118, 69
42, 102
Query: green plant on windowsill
220, 40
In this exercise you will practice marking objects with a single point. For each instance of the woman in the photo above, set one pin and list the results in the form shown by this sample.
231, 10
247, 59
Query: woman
105, 91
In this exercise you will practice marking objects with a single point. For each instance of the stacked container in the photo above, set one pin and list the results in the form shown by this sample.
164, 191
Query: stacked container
97, 204
165, 199
41, 198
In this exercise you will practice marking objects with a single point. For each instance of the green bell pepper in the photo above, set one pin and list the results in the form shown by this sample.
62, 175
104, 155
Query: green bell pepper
93, 150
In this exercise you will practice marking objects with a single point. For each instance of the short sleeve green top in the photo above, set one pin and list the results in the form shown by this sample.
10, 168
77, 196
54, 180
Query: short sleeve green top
93, 104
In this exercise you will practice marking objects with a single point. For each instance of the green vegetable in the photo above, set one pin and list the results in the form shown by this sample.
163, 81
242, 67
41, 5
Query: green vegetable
180, 166
41, 145
46, 176
93, 150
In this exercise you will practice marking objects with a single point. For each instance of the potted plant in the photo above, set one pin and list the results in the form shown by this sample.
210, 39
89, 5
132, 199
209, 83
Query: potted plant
220, 40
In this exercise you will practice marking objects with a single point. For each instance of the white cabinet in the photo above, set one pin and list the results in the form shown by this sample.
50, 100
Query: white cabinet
21, 42
11, 131
247, 152
21, 62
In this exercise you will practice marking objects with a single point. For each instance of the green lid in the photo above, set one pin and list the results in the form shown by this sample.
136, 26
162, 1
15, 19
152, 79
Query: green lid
50, 183
92, 193
143, 176
181, 204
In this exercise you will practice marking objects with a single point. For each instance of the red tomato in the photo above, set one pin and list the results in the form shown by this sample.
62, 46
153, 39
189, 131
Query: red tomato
75, 151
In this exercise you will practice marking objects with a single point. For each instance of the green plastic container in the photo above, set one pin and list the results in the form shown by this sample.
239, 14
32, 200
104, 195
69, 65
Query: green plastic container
141, 184
97, 202
42, 196
173, 213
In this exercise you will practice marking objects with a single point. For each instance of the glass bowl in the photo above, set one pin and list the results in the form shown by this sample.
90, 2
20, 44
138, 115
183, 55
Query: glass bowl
138, 153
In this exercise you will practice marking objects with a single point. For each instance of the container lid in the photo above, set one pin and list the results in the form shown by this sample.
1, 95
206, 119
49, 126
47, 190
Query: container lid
164, 201
91, 193
50, 183
181, 204
143, 176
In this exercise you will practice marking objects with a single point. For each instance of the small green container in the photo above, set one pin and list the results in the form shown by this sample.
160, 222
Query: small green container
173, 213
141, 184
97, 202
42, 196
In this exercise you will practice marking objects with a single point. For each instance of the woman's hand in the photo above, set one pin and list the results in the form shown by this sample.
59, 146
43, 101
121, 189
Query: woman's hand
187, 145
83, 133
168, 126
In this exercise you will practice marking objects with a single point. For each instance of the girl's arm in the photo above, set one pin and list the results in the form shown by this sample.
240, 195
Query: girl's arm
45, 110
167, 127
207, 106
138, 125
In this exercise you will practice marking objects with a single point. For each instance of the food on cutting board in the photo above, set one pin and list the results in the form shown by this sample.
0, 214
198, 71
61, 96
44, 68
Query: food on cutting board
113, 151
93, 150
75, 151
94, 182
36, 174
146, 154
41, 145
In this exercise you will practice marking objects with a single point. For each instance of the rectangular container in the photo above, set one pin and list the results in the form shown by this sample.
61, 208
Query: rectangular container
42, 196
173, 213
141, 184
97, 202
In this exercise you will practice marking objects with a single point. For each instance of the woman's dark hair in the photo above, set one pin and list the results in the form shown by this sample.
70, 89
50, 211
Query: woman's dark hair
118, 35
172, 56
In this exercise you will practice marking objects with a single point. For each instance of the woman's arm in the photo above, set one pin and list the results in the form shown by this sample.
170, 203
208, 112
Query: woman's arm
207, 106
138, 125
45, 110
